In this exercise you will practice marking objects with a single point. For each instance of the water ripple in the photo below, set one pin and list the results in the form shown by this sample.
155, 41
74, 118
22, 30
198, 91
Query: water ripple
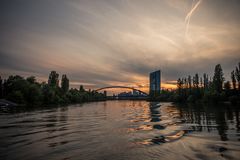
121, 130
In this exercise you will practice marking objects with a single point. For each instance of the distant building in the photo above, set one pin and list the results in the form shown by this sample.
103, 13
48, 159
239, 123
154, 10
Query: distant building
125, 94
135, 93
105, 93
155, 83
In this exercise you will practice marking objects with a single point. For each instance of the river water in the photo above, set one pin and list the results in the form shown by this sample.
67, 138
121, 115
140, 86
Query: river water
114, 130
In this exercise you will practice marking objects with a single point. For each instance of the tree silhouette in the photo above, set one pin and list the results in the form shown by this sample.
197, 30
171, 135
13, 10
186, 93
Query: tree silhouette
1, 87
196, 81
65, 83
31, 79
237, 74
218, 78
207, 90
81, 89
180, 86
227, 87
53, 79
189, 82
233, 80
205, 81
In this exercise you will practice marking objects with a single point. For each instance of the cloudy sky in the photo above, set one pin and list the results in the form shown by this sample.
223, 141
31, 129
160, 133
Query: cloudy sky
118, 42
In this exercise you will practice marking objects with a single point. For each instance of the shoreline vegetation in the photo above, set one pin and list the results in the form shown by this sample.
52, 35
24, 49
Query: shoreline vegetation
29, 92
205, 89
190, 89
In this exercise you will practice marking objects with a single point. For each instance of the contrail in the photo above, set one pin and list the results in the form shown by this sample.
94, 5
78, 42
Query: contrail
188, 16
187, 21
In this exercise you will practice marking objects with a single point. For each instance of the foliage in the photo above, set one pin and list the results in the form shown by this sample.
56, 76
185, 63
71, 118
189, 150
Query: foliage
65, 83
218, 78
53, 79
190, 90
233, 80
191, 98
1, 87
81, 89
234, 99
29, 92
237, 75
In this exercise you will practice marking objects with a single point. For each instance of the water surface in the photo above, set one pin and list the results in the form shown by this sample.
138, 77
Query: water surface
121, 130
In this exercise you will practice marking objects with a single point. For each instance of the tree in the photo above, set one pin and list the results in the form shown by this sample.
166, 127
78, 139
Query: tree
185, 83
17, 97
81, 89
233, 80
1, 88
31, 79
4, 88
33, 95
237, 74
196, 90
196, 81
15, 89
29, 92
227, 86
189, 82
218, 78
201, 82
180, 86
50, 94
53, 79
65, 83
205, 81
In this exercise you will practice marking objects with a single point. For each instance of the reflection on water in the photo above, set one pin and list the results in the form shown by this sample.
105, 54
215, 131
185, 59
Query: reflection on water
121, 130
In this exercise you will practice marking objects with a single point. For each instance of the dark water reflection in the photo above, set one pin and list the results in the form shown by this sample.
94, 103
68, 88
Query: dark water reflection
121, 130
223, 119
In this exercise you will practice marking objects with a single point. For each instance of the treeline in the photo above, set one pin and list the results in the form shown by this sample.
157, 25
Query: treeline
27, 91
204, 88
207, 89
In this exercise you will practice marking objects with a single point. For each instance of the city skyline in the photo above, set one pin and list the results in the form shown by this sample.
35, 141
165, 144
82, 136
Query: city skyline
100, 43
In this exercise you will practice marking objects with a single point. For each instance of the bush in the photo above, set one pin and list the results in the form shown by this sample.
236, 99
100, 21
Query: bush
17, 97
234, 99
191, 99
214, 97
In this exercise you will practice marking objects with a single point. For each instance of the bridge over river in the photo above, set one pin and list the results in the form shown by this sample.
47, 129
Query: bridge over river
142, 95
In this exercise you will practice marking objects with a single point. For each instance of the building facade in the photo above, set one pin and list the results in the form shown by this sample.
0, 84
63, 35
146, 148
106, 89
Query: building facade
155, 83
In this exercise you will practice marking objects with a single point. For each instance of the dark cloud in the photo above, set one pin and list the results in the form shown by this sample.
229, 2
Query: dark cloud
19, 64
101, 42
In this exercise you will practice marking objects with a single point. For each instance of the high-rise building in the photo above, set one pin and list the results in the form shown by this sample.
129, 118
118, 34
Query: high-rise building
155, 83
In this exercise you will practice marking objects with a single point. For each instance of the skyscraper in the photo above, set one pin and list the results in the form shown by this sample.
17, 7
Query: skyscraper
155, 83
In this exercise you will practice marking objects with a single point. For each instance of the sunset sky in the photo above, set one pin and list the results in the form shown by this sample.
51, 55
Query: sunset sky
118, 42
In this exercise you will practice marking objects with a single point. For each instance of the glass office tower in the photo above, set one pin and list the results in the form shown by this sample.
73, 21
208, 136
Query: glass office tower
155, 83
